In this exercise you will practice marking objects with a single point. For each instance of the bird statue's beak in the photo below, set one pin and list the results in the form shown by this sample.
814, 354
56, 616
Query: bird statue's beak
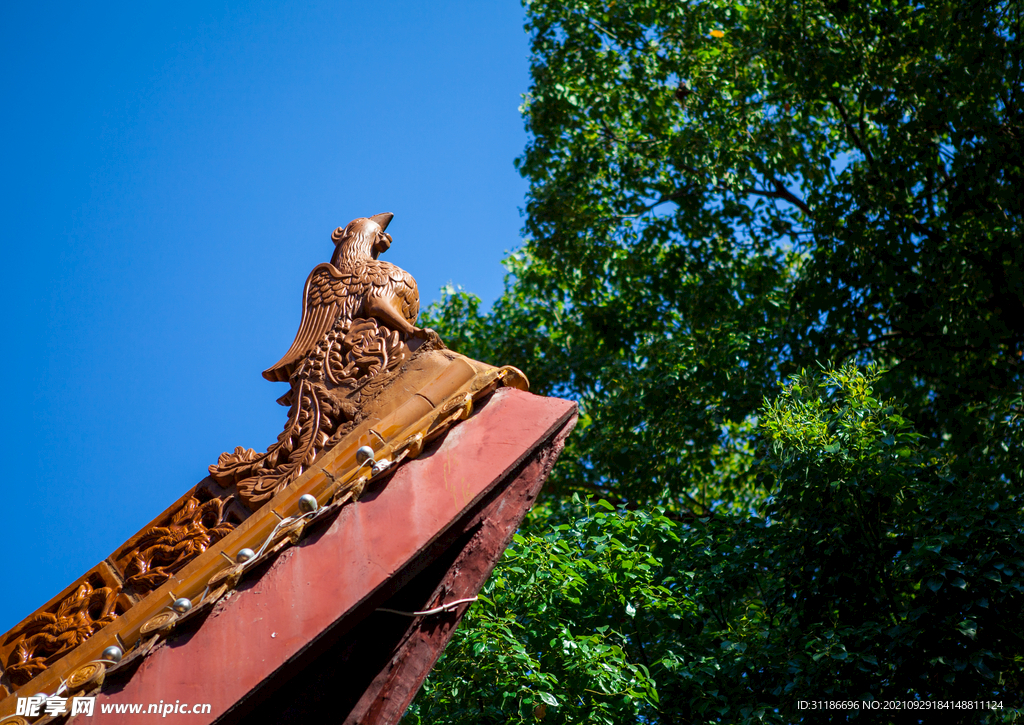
383, 219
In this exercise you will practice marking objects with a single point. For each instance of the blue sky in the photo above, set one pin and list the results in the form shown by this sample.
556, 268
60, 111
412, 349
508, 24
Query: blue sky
171, 175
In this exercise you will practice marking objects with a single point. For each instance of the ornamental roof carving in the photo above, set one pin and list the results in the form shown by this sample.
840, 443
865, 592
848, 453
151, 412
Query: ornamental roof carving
368, 389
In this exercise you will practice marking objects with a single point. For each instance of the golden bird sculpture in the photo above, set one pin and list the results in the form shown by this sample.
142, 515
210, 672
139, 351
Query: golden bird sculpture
358, 326
354, 284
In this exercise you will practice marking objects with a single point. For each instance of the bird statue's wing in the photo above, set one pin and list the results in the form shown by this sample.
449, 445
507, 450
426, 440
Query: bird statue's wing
322, 299
394, 283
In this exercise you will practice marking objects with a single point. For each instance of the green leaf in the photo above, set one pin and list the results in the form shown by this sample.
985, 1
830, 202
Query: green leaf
548, 699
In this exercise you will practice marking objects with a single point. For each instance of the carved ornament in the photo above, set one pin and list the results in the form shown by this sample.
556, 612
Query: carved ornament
162, 551
48, 635
357, 329
361, 377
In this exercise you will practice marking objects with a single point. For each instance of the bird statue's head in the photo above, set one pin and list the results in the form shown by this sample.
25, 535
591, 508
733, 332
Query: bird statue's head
361, 239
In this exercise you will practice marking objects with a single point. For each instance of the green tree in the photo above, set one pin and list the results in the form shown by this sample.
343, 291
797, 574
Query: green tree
722, 196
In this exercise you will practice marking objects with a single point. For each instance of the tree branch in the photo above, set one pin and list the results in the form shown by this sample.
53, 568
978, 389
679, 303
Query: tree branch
851, 131
605, 31
780, 192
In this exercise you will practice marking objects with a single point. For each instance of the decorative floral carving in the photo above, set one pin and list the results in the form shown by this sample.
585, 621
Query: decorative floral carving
164, 550
240, 456
367, 350
345, 368
48, 636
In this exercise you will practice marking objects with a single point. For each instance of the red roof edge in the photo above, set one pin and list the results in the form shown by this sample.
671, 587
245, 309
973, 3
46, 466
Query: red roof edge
306, 638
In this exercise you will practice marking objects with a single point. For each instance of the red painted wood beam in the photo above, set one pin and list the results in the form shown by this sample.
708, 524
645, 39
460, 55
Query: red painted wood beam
303, 638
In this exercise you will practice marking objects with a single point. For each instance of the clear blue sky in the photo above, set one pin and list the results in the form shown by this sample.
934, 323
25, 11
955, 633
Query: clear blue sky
170, 176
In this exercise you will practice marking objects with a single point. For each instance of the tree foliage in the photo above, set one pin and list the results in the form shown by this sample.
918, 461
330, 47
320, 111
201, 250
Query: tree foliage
723, 196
